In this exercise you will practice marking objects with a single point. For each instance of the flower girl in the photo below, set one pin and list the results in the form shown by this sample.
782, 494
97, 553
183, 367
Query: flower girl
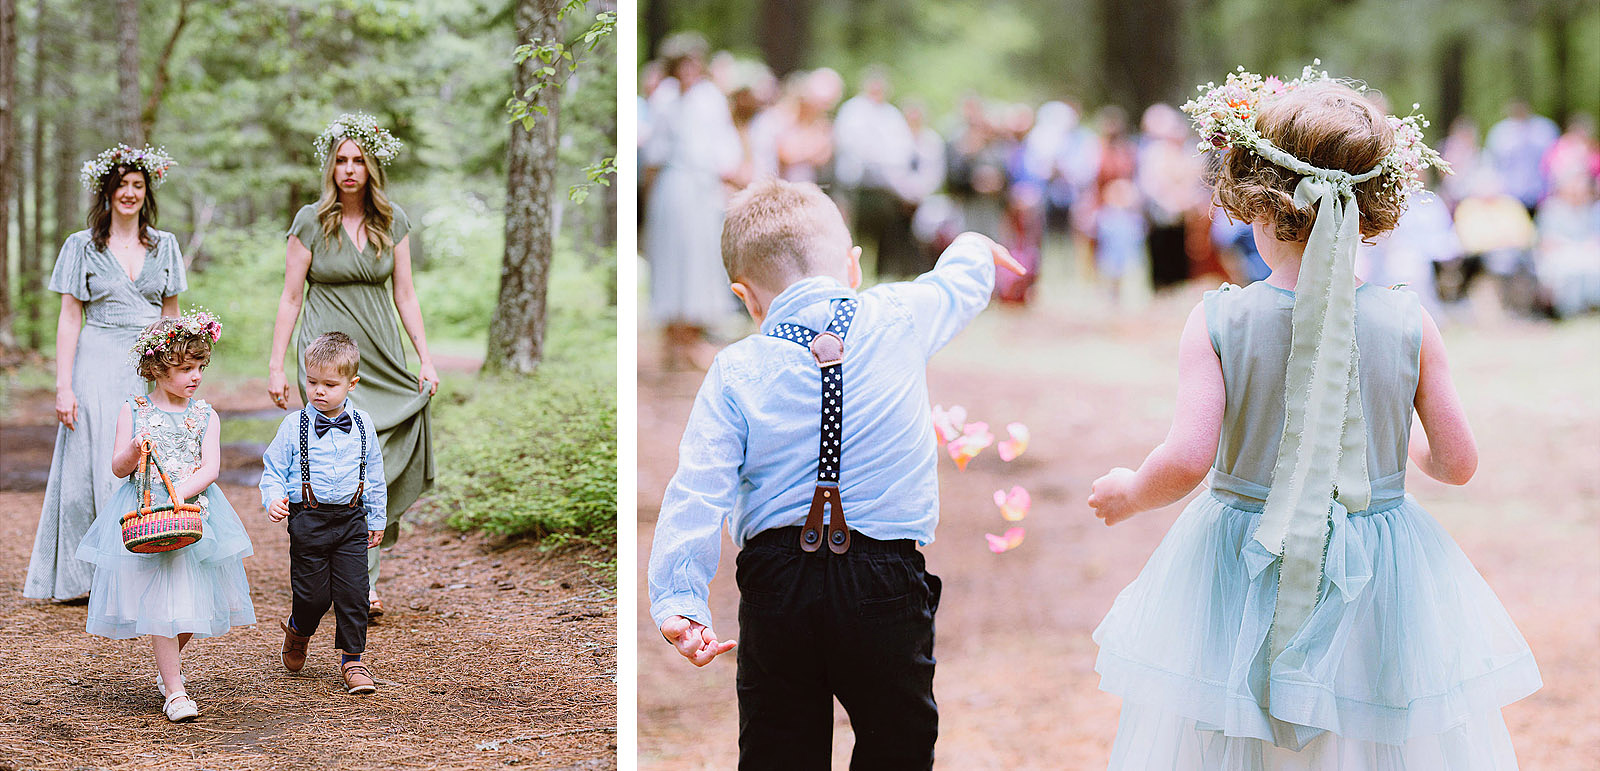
198, 590
1306, 612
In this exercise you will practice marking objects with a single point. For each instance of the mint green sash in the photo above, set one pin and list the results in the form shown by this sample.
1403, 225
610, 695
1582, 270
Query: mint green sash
1323, 455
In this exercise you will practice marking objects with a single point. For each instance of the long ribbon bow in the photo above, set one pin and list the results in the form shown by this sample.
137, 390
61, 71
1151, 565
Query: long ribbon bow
1322, 458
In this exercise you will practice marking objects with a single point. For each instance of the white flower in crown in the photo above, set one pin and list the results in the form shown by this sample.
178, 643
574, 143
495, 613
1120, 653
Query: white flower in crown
196, 323
1225, 116
364, 129
155, 163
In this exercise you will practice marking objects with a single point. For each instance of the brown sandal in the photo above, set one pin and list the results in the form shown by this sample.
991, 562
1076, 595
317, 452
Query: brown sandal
357, 678
374, 609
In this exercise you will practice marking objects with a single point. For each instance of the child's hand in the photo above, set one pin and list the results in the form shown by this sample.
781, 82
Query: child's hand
1109, 496
279, 510
374, 537
695, 641
1003, 258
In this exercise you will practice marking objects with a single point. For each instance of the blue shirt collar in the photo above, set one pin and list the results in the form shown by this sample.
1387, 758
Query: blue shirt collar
803, 294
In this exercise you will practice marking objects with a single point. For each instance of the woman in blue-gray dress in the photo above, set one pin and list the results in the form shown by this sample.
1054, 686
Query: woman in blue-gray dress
115, 278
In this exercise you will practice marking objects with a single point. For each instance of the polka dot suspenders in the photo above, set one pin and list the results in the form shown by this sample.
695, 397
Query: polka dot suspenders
306, 497
827, 347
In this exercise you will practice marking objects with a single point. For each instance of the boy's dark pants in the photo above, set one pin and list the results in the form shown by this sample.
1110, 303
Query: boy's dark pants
328, 566
858, 626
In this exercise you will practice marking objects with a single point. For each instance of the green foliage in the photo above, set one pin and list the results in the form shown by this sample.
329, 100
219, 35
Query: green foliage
557, 65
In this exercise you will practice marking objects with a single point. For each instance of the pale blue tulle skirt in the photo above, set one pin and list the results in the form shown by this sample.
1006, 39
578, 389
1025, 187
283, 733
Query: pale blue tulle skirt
1404, 663
200, 589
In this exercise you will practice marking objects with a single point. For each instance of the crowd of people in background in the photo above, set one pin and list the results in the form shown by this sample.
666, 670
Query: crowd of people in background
1120, 200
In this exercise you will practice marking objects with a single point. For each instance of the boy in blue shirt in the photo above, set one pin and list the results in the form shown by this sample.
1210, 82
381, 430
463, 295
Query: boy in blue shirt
324, 472
825, 412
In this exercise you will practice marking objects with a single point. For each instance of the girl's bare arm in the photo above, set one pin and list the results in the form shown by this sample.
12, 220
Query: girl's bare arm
1444, 449
125, 456
1180, 462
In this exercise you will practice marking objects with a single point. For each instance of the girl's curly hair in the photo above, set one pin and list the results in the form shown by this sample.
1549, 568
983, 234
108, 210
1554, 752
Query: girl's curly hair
185, 347
1328, 125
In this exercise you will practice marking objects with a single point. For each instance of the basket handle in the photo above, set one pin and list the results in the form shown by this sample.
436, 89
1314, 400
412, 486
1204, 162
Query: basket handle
148, 449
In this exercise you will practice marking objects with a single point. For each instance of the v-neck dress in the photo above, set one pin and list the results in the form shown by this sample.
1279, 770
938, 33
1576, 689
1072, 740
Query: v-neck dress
115, 309
347, 291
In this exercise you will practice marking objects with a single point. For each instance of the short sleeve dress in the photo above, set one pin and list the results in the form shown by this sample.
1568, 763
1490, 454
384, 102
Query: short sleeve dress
115, 309
347, 291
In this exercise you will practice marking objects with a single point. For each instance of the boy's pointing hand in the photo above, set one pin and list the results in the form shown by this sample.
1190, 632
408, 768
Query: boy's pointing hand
1003, 258
695, 641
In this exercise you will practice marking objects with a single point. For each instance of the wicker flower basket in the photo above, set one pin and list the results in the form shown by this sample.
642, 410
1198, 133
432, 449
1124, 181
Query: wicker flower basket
152, 529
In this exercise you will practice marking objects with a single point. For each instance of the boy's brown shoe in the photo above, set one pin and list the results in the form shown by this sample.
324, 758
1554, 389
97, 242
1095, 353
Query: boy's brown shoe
357, 679
294, 648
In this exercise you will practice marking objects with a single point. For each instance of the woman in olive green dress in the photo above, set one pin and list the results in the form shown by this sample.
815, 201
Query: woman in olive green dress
342, 251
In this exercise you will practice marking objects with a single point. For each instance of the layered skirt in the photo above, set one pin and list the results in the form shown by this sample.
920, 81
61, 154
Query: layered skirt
199, 589
1404, 663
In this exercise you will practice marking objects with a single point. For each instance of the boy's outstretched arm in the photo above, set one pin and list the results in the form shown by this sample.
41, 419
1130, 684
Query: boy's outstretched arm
1446, 451
944, 300
688, 535
1176, 465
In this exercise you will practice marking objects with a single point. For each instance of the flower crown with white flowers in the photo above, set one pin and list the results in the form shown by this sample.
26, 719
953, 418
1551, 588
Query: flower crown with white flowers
158, 338
154, 162
1225, 116
364, 129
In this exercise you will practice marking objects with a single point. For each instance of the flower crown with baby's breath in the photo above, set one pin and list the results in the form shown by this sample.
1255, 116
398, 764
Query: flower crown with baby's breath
364, 129
158, 337
1225, 116
154, 162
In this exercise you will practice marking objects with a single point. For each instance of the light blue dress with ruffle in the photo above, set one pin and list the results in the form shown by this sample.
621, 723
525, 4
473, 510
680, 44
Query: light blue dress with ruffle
1408, 656
200, 588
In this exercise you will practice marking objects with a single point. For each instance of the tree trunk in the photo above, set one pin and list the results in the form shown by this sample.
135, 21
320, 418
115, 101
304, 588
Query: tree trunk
784, 34
64, 95
1141, 57
8, 158
163, 73
516, 333
1452, 82
657, 25
128, 107
30, 276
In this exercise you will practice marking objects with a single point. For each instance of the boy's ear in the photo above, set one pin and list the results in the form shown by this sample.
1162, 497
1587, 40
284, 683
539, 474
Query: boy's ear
354, 381
855, 267
748, 297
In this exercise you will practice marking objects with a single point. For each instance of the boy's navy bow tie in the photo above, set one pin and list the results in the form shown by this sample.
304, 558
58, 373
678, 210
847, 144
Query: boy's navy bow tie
342, 423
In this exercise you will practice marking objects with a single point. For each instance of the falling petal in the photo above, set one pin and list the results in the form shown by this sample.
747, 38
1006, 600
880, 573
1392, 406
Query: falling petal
947, 423
1016, 445
1003, 543
974, 437
1015, 505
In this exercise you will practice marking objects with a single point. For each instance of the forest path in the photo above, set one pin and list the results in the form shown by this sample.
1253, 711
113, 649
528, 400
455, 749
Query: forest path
490, 655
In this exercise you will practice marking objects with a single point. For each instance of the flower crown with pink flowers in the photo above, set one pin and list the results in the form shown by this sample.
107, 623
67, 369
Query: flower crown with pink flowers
154, 162
1225, 116
158, 338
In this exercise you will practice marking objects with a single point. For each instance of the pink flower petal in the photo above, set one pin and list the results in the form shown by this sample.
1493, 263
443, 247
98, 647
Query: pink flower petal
1004, 543
1018, 443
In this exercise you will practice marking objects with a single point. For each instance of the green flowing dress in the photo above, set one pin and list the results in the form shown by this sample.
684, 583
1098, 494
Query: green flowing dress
347, 291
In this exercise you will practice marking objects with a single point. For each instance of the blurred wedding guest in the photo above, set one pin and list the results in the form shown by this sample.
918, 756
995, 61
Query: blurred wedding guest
1022, 231
1236, 241
975, 168
1053, 151
1424, 238
922, 180
1119, 234
756, 121
1568, 257
873, 147
1516, 146
693, 151
805, 145
1460, 150
1576, 149
1168, 174
1496, 235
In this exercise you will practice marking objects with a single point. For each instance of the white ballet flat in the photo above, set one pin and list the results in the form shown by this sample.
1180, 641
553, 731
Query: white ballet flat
180, 708
162, 686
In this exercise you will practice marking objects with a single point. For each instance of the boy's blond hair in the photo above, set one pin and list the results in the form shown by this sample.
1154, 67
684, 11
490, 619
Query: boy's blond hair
778, 232
336, 350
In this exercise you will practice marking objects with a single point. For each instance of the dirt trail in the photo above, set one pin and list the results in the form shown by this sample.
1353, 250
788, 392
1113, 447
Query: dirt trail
489, 656
1015, 682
